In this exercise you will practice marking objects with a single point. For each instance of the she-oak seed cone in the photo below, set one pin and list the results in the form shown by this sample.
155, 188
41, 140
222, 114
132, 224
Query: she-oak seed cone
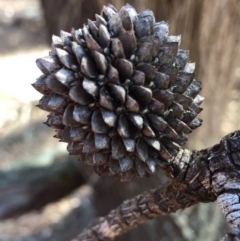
120, 92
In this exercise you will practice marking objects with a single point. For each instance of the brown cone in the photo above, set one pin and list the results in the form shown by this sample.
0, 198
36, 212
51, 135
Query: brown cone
120, 92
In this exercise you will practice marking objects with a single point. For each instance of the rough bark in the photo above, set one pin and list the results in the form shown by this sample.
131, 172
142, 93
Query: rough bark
163, 200
206, 176
197, 176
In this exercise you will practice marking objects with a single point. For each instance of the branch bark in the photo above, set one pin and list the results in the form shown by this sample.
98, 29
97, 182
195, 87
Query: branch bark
198, 176
163, 200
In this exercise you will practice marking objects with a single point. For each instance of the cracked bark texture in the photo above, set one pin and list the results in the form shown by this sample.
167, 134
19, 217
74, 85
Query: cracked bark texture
197, 176
224, 163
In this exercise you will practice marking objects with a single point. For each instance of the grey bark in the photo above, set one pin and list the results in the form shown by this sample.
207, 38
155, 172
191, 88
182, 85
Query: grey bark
197, 176
207, 175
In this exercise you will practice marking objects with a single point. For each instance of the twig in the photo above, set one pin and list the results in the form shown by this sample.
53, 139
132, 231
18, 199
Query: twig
163, 200
207, 175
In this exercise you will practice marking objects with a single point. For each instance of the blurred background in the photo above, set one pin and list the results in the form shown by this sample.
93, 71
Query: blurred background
47, 195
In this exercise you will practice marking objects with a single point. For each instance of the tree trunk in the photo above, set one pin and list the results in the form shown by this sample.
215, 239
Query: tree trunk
65, 15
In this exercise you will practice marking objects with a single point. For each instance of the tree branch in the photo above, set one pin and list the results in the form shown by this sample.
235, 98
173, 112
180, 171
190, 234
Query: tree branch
203, 176
197, 176
164, 200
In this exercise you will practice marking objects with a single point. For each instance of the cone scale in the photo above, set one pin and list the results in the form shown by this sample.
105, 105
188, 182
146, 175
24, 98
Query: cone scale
120, 92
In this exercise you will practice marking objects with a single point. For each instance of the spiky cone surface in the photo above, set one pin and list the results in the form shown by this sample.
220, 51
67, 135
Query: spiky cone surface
120, 92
